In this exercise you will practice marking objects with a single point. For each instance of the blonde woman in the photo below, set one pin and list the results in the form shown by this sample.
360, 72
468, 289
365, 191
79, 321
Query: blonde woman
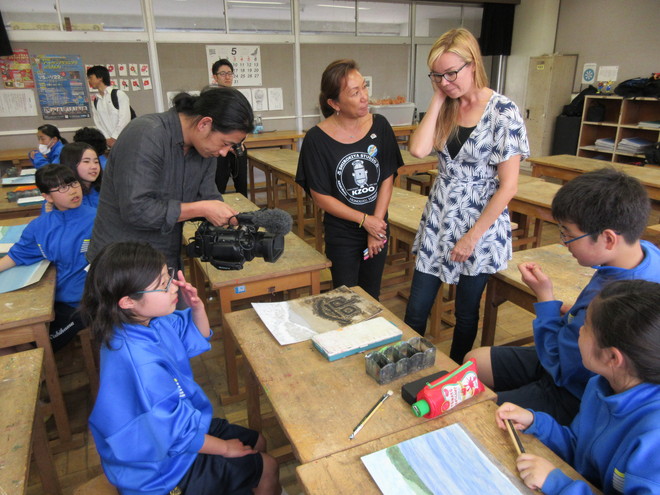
465, 232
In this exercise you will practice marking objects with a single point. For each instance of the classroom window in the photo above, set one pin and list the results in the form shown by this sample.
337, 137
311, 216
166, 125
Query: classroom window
200, 15
383, 18
434, 19
327, 16
259, 16
116, 15
35, 14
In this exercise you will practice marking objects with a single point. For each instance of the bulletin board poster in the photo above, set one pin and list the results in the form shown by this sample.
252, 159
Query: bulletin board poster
245, 59
60, 82
16, 71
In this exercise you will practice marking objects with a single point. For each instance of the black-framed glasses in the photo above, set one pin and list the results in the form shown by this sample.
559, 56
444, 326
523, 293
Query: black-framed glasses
167, 287
65, 187
224, 74
449, 76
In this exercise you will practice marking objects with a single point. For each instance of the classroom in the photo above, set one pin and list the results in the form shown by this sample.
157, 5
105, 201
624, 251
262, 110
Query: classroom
537, 56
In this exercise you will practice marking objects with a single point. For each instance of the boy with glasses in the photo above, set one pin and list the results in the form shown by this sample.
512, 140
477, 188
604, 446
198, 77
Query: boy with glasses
60, 236
601, 217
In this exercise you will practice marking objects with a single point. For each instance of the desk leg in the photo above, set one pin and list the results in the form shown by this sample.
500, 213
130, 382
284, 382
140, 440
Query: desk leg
40, 335
43, 456
538, 232
300, 203
253, 404
493, 301
231, 363
270, 193
315, 282
253, 193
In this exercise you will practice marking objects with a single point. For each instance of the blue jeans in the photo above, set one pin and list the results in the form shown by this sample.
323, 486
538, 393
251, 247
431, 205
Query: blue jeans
423, 291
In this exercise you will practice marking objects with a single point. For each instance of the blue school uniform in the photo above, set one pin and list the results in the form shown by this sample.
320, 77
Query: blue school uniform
61, 237
53, 156
92, 198
613, 441
150, 417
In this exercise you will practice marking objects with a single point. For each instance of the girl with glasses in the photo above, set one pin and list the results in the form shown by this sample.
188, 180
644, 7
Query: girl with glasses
153, 425
465, 232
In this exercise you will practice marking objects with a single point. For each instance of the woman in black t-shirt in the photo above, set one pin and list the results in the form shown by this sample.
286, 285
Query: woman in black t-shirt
347, 163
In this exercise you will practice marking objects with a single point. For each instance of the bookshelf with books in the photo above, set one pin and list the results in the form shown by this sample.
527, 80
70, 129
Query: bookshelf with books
623, 127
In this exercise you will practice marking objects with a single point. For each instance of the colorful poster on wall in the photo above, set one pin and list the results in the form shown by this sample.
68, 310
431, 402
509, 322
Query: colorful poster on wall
245, 59
60, 82
16, 71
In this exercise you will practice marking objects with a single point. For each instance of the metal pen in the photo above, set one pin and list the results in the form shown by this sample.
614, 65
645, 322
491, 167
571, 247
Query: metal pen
361, 424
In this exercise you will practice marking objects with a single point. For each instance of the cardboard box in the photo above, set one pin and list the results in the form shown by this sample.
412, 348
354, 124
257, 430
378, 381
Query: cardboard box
399, 114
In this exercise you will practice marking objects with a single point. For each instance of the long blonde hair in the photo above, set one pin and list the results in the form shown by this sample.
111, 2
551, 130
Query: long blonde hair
462, 43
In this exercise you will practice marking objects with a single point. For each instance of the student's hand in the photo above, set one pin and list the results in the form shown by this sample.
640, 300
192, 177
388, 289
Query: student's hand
375, 245
536, 280
235, 448
463, 248
110, 142
375, 227
522, 418
219, 213
188, 292
32, 154
534, 470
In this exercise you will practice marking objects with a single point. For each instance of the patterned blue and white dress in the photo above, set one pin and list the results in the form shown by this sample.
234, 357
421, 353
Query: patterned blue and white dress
462, 190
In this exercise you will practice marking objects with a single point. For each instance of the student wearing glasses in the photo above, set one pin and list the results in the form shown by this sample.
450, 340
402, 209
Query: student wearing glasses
161, 171
601, 216
61, 236
465, 231
234, 163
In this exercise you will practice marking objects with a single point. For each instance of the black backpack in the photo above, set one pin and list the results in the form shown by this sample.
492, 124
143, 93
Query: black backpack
115, 102
575, 107
639, 86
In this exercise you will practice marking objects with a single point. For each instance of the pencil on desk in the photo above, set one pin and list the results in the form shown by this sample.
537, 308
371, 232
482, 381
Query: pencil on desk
515, 438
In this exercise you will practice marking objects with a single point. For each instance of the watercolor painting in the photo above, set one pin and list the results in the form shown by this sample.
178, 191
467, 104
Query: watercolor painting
443, 462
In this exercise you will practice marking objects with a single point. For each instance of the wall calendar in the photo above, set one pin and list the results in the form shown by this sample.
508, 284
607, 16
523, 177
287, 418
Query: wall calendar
245, 59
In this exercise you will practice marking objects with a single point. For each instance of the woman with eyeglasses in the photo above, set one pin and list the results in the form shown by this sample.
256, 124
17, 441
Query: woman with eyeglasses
465, 231
347, 163
234, 163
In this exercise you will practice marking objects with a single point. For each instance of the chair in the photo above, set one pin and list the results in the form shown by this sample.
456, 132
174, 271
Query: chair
91, 359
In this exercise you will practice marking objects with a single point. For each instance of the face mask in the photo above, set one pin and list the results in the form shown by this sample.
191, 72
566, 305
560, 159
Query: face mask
44, 149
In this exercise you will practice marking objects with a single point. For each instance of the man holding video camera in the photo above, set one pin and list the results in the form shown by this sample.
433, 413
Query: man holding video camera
161, 172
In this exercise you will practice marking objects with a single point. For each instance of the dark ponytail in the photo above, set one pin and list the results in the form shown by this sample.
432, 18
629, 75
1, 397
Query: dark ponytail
51, 131
227, 107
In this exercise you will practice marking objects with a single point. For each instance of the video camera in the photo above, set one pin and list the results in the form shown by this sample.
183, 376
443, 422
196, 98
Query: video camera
228, 248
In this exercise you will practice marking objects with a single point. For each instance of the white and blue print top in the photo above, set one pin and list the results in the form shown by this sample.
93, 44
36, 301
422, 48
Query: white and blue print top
462, 190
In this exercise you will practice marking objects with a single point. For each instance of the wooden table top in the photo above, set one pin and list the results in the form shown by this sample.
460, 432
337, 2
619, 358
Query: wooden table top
406, 208
568, 278
257, 139
404, 130
537, 192
298, 256
29, 305
344, 472
20, 377
14, 210
317, 402
15, 154
282, 160
648, 176
408, 159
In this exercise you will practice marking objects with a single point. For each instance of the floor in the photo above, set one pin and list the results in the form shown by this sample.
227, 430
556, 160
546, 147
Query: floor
76, 466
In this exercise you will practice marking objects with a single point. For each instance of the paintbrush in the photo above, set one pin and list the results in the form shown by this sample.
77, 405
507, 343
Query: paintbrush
373, 410
515, 438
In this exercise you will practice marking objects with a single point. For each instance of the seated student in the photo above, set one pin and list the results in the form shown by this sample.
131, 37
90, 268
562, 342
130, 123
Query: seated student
96, 139
152, 423
615, 438
61, 236
50, 146
601, 216
82, 159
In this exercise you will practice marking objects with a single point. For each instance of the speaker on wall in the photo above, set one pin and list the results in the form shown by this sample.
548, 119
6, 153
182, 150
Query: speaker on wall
5, 46
497, 29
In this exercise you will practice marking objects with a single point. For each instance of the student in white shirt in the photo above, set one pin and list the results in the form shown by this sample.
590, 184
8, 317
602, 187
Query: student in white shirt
109, 119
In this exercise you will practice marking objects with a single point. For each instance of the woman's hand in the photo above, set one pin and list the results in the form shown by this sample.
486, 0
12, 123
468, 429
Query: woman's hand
375, 245
536, 280
375, 227
522, 418
188, 292
534, 470
463, 248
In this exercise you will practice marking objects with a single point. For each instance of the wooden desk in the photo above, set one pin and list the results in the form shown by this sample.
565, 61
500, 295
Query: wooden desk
23, 429
567, 167
274, 139
652, 234
317, 402
14, 210
27, 313
412, 165
567, 276
344, 472
404, 131
533, 201
299, 266
16, 156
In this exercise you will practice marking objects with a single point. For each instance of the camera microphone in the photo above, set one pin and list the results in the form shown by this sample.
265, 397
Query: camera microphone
275, 221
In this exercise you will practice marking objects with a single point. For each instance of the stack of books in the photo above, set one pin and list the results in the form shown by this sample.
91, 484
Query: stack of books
633, 145
605, 144
654, 124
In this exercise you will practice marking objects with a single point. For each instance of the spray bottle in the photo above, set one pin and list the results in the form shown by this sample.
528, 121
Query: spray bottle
447, 391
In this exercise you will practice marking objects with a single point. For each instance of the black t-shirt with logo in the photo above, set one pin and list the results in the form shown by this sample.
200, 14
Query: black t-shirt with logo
351, 173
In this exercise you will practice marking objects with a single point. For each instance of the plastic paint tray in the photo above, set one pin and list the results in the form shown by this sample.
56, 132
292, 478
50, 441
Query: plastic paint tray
398, 360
